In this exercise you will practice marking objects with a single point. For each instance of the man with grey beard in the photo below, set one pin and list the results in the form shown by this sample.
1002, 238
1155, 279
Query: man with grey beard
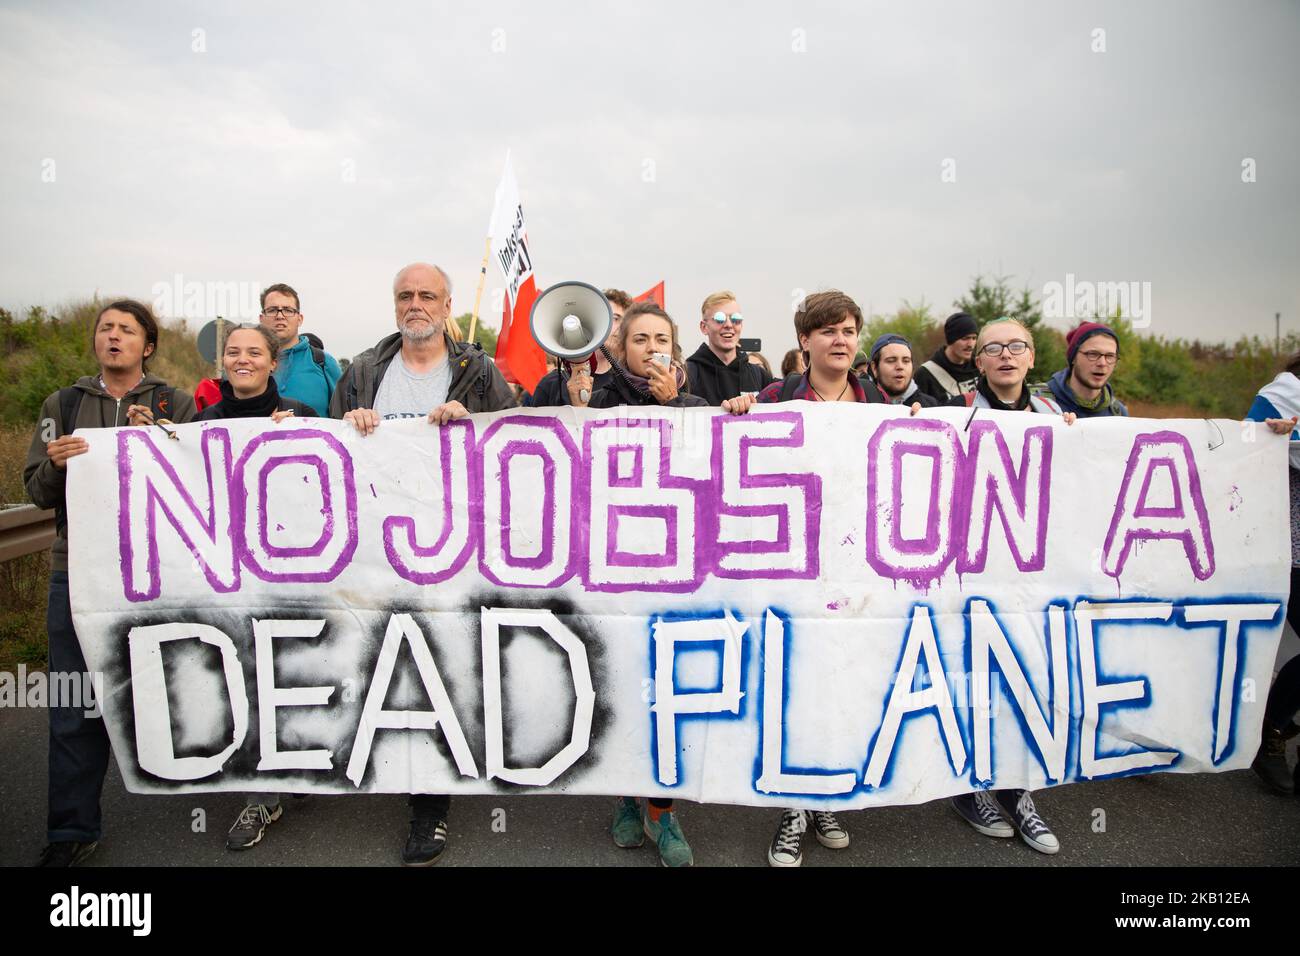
432, 373
420, 372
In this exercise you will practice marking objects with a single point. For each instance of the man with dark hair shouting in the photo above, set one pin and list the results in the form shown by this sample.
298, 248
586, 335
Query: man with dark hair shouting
121, 393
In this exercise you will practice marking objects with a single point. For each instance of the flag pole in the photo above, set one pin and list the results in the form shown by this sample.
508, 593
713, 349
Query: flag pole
478, 296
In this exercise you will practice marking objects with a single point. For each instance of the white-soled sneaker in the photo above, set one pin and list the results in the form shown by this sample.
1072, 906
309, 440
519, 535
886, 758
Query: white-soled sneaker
980, 810
1031, 826
829, 832
785, 850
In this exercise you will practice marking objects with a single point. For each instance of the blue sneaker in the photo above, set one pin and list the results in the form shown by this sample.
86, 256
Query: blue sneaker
626, 828
673, 848
980, 810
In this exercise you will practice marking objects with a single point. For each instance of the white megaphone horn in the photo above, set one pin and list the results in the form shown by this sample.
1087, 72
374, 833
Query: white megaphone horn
571, 320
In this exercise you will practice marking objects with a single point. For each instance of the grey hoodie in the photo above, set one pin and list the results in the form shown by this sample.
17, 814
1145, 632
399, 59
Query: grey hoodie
475, 381
45, 483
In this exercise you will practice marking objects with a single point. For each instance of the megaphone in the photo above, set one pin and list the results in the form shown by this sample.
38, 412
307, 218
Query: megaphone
571, 320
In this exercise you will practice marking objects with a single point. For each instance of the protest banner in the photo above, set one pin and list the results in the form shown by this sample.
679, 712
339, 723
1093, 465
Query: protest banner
810, 605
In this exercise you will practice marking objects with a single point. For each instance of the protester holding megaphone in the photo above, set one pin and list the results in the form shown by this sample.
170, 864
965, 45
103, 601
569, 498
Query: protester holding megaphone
574, 382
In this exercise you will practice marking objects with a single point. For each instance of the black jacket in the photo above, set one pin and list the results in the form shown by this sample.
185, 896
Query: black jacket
223, 409
620, 392
475, 381
964, 375
715, 382
553, 391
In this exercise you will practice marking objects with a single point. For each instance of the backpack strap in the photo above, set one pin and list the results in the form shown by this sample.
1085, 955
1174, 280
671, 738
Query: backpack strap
160, 402
1044, 404
69, 405
942, 376
317, 356
789, 385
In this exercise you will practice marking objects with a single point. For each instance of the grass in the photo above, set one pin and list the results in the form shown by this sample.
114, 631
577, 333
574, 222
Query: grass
23, 581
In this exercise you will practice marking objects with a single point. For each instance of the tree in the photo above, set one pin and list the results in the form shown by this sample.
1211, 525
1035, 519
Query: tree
912, 322
484, 334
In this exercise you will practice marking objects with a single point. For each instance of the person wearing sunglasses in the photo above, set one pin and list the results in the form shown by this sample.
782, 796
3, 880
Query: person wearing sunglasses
305, 373
719, 370
1083, 386
1004, 354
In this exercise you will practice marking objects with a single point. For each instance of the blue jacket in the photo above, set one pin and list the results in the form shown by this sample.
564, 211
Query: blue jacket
299, 377
1064, 396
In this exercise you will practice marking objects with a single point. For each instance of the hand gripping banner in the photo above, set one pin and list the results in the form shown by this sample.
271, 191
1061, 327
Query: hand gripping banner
808, 606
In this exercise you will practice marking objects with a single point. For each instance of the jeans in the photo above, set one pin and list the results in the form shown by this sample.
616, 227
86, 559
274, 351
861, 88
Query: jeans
1284, 695
430, 806
78, 744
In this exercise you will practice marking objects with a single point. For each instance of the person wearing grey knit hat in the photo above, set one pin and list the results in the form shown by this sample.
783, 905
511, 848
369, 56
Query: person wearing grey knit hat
891, 370
951, 370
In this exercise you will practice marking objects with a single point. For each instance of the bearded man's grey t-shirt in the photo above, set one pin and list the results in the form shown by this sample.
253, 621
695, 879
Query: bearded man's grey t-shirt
404, 394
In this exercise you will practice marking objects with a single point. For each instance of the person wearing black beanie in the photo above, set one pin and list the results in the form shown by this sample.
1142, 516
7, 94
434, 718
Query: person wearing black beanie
951, 370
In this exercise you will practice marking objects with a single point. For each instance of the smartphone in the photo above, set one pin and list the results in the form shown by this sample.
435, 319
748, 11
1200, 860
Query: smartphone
663, 358
751, 345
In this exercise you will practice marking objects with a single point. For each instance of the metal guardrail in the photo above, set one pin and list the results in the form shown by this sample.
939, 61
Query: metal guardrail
25, 529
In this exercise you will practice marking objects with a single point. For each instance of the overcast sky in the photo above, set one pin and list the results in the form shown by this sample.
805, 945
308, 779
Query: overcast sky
765, 147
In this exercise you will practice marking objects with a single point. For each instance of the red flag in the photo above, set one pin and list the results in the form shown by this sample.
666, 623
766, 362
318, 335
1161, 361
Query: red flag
655, 295
518, 356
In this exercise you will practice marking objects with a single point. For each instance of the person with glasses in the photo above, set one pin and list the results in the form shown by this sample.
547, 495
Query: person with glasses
1004, 354
305, 372
719, 370
1083, 386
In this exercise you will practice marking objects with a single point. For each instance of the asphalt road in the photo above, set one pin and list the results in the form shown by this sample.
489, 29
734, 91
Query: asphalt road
1157, 820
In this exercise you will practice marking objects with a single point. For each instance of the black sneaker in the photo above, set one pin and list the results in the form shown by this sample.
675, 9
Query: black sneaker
426, 843
1270, 762
785, 850
250, 826
829, 832
66, 853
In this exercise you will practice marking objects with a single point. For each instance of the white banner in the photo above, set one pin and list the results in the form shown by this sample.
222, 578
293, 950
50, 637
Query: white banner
808, 605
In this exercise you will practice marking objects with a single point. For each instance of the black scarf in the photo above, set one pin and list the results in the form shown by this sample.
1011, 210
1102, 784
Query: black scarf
994, 402
259, 406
